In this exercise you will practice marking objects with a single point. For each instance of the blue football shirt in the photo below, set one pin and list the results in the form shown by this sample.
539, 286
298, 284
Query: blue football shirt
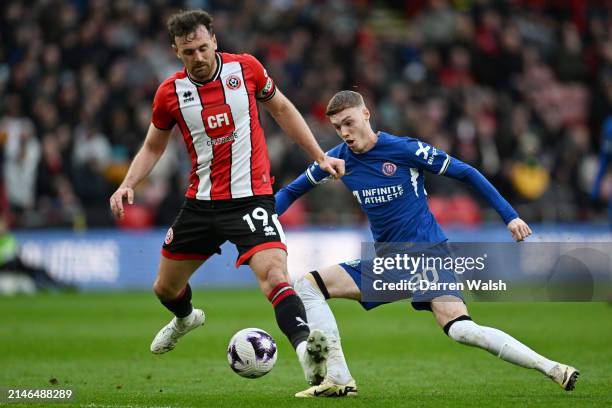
388, 183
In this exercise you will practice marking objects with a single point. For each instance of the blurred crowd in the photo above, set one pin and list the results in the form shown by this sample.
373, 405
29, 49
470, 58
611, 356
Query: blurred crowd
519, 89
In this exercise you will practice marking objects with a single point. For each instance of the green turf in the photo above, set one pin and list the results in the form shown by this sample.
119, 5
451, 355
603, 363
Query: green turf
97, 344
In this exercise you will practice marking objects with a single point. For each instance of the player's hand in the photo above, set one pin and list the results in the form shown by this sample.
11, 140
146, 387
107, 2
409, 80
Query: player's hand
116, 200
332, 165
519, 229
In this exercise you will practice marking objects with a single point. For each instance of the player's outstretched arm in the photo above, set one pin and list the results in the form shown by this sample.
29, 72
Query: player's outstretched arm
294, 125
154, 146
466, 173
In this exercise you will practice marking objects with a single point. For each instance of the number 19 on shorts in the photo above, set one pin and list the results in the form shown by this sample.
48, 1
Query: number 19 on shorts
259, 219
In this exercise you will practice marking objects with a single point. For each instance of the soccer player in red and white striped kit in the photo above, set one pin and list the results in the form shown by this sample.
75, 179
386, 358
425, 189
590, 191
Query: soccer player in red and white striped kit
213, 101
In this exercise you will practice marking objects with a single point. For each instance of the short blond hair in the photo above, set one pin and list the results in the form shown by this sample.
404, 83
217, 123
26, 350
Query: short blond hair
344, 100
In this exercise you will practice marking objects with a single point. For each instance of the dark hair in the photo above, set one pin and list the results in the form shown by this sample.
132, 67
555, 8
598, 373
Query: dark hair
343, 100
186, 22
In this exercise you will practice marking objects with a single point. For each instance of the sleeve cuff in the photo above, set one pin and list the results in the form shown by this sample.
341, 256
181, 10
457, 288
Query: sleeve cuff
445, 165
161, 127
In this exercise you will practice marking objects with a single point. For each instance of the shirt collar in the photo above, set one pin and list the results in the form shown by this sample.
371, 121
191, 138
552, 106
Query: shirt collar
215, 76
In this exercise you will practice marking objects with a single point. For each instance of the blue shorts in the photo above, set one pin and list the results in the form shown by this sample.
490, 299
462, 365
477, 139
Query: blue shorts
361, 271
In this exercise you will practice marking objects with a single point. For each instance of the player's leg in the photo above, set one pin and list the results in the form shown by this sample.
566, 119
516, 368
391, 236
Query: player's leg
270, 267
172, 289
252, 225
172, 284
314, 288
189, 242
452, 315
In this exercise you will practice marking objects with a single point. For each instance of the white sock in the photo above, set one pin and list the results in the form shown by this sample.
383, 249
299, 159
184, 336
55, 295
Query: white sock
500, 344
181, 322
300, 349
321, 317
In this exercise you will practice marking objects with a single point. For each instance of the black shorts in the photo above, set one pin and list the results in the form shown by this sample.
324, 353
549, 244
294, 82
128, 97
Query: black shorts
201, 227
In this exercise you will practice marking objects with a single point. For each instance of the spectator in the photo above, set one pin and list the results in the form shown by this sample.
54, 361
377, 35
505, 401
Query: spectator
507, 86
21, 155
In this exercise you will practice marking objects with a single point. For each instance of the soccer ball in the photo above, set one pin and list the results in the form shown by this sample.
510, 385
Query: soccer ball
251, 353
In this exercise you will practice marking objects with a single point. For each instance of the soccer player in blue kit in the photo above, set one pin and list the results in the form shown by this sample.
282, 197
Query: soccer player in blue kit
385, 174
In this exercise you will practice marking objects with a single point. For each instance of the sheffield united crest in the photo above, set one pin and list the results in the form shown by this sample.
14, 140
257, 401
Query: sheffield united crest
233, 82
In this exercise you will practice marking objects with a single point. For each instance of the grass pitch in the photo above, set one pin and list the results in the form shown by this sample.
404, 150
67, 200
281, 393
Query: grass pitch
98, 345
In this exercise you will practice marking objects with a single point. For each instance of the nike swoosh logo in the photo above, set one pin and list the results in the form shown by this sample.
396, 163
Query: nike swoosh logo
317, 393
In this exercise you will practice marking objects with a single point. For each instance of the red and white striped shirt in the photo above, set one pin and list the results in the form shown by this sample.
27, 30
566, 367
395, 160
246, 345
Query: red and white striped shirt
220, 126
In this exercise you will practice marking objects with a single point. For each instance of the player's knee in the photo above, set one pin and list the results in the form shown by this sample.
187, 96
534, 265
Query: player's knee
312, 284
275, 271
308, 289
